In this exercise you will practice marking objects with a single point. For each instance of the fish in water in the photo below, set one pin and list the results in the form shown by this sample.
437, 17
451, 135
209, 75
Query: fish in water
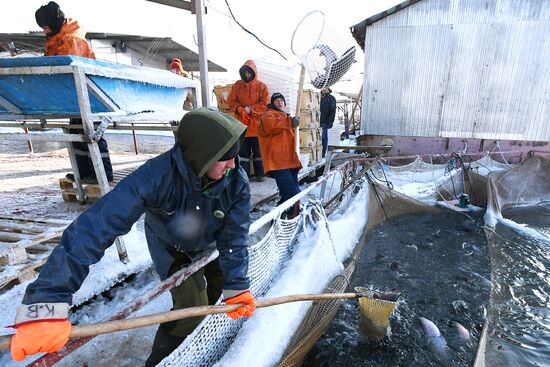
462, 335
437, 341
480, 278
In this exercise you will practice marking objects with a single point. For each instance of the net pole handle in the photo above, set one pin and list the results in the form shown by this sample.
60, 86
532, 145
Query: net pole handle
298, 106
79, 331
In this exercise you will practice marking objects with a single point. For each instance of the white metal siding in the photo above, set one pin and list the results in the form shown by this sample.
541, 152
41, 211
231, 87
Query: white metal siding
456, 68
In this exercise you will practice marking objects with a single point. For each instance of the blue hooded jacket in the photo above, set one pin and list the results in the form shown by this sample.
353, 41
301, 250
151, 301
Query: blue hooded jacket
179, 208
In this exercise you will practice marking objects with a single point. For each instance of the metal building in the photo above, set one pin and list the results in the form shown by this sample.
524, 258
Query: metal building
458, 69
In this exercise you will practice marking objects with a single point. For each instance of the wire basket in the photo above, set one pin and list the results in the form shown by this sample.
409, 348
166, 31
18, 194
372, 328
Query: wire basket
324, 55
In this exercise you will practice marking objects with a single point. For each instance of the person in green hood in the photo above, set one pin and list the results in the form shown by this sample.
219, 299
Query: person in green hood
195, 197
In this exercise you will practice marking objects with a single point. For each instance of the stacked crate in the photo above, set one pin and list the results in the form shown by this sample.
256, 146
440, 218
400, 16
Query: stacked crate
222, 97
310, 131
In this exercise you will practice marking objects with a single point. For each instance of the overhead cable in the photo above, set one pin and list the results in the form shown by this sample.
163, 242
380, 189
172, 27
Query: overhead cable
251, 33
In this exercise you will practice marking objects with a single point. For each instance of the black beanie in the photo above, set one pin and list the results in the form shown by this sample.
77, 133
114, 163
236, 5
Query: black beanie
277, 95
50, 15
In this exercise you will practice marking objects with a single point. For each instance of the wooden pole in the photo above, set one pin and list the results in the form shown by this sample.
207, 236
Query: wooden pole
29, 142
135, 140
298, 106
79, 331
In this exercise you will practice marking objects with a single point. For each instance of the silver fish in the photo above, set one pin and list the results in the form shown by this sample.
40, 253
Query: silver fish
462, 335
480, 278
437, 341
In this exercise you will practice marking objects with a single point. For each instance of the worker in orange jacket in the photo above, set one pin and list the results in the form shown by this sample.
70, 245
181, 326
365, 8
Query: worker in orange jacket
65, 37
248, 99
278, 146
176, 67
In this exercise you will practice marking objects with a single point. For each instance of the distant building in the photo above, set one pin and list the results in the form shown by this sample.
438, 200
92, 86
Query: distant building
464, 69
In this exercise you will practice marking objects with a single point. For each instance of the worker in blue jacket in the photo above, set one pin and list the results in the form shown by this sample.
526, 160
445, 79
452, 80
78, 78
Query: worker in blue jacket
195, 197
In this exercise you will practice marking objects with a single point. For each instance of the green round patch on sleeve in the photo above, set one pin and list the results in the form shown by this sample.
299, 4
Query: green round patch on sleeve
219, 214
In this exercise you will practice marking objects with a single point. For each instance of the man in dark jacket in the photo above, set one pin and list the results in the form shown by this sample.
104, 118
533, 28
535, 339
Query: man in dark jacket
328, 112
193, 198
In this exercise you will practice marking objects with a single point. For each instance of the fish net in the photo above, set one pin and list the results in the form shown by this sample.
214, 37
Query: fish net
316, 321
422, 181
522, 185
325, 55
215, 334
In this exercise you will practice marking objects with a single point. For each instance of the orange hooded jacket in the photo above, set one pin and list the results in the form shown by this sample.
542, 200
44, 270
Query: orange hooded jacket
69, 41
253, 94
277, 141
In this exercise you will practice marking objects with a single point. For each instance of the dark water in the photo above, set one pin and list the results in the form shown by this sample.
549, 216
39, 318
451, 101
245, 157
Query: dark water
440, 264
519, 333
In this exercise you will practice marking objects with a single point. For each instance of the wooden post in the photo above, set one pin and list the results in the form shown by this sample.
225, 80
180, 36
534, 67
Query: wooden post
29, 143
355, 104
298, 106
135, 141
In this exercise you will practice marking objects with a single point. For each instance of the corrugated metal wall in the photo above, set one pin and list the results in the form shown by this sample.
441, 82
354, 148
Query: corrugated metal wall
460, 68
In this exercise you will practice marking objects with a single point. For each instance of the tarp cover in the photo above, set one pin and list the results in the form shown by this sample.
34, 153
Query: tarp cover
34, 86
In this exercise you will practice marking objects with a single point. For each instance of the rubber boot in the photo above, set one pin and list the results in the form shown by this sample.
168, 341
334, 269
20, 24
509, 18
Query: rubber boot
163, 345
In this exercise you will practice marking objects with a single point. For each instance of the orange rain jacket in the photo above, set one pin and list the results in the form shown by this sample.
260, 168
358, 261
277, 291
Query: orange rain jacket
277, 141
69, 41
253, 94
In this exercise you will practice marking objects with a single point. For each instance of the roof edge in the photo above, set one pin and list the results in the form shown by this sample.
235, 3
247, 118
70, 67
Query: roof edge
358, 30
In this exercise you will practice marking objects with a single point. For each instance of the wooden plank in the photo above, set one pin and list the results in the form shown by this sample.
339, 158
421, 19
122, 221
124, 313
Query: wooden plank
36, 220
10, 226
69, 196
22, 274
11, 237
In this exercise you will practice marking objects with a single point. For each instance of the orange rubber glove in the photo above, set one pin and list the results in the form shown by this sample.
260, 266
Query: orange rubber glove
39, 336
247, 310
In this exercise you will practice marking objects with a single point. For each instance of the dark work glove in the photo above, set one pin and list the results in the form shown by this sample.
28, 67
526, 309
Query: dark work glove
295, 121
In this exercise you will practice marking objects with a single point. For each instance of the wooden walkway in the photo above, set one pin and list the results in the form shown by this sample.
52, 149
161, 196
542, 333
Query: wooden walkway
25, 244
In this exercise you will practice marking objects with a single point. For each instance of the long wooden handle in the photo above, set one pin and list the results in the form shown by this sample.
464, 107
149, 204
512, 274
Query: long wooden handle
79, 331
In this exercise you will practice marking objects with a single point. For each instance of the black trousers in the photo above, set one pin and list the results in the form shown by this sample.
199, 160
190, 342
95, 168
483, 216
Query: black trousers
83, 158
250, 149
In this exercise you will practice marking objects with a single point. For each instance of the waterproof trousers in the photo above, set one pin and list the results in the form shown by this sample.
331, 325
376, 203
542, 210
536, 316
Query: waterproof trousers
287, 183
202, 288
324, 139
83, 158
250, 150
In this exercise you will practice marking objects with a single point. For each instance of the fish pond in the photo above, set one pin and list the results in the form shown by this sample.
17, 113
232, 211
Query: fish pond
440, 265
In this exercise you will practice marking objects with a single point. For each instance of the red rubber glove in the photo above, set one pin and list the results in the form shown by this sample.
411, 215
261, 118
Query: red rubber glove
39, 336
247, 310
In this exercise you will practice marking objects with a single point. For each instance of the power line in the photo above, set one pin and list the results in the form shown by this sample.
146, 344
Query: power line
251, 33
